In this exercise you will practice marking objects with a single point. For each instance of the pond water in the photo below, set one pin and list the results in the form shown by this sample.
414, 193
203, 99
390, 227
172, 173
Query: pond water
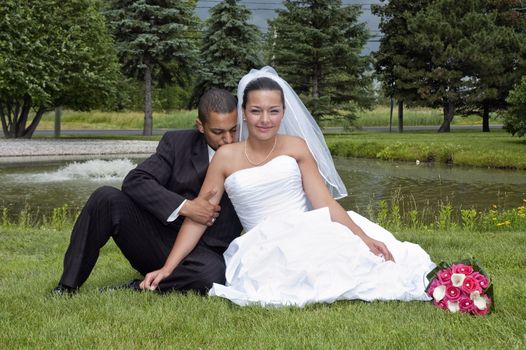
43, 185
428, 186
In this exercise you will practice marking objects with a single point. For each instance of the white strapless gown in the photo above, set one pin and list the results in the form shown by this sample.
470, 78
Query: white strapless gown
292, 256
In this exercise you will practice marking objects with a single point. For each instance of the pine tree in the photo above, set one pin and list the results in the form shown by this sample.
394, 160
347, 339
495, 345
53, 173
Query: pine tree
230, 48
497, 57
315, 45
156, 41
395, 53
460, 56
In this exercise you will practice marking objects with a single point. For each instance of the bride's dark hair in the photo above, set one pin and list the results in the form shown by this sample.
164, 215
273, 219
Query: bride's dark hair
262, 83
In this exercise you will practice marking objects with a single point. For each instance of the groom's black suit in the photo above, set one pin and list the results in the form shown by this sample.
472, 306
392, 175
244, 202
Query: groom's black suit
136, 218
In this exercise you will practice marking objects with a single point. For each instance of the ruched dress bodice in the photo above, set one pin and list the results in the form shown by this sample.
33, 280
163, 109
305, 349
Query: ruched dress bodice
274, 188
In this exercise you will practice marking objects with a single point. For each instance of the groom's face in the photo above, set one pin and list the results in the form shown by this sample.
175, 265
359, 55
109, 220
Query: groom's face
219, 128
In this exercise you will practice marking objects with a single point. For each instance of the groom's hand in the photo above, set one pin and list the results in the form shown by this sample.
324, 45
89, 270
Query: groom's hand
201, 210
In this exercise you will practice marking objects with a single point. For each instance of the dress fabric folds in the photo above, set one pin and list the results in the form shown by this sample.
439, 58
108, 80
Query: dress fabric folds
292, 256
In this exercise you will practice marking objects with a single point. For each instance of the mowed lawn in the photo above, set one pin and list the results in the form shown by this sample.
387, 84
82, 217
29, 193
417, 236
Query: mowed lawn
31, 260
496, 149
378, 116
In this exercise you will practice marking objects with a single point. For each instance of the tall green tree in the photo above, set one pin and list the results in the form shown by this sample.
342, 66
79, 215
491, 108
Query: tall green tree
156, 40
442, 32
316, 46
461, 56
52, 53
230, 47
496, 57
395, 57
475, 60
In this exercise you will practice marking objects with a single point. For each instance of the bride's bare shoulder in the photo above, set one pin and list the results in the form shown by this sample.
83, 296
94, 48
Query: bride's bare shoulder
229, 150
294, 145
228, 157
293, 141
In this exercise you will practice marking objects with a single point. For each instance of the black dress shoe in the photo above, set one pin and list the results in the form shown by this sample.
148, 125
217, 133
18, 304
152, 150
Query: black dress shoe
133, 285
61, 289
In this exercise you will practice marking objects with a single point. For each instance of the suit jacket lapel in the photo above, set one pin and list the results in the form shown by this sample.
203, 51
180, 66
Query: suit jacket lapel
200, 157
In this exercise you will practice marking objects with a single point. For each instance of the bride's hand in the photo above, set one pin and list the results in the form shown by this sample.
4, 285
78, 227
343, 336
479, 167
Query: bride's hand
378, 248
152, 279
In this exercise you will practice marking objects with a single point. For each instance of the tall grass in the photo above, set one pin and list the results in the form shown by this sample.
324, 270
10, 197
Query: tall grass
398, 213
26, 218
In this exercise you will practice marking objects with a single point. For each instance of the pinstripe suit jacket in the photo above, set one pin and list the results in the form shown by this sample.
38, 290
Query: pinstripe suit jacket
175, 173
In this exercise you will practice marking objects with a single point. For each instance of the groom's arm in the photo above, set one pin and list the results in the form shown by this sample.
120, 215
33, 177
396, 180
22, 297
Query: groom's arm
191, 231
147, 184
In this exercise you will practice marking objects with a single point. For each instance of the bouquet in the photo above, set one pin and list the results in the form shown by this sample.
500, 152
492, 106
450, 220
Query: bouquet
462, 286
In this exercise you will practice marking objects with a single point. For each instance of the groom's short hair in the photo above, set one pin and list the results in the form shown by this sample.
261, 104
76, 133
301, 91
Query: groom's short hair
215, 100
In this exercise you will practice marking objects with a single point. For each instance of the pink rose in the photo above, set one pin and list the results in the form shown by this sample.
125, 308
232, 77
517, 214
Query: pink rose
435, 283
466, 304
482, 280
453, 293
461, 268
444, 276
470, 285
442, 304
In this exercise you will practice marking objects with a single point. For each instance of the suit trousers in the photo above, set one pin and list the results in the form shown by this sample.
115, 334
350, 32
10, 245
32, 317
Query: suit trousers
142, 238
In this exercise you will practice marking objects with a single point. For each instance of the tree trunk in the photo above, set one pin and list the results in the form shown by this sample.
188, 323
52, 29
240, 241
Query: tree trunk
58, 116
391, 114
24, 116
316, 86
449, 113
4, 116
28, 133
148, 119
485, 117
400, 116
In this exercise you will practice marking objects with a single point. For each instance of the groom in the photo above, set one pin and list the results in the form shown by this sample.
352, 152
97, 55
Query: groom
145, 217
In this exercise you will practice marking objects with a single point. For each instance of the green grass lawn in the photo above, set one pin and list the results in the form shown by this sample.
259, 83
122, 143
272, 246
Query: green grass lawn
496, 149
31, 260
118, 120
379, 116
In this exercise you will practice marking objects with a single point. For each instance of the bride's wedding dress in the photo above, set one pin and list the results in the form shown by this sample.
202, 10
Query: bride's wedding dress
292, 256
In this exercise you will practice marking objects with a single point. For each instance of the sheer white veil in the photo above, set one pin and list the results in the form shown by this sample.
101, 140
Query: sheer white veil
298, 122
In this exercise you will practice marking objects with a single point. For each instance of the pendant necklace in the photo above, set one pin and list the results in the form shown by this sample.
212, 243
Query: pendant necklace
269, 153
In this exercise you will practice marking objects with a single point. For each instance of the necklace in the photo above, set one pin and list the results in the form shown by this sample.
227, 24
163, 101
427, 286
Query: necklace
269, 153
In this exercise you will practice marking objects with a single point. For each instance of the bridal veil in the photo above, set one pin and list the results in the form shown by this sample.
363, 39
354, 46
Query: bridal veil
297, 122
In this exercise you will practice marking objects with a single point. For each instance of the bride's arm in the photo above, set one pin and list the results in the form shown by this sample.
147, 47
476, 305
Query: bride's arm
319, 196
191, 231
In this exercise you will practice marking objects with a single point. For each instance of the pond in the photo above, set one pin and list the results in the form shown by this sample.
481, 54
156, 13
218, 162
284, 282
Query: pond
46, 184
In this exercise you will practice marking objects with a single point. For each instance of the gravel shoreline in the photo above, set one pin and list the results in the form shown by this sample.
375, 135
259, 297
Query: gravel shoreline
17, 148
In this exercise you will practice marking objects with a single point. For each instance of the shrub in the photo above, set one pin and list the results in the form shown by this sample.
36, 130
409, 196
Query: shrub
515, 117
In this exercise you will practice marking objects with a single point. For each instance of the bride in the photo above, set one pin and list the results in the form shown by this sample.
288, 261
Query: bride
300, 245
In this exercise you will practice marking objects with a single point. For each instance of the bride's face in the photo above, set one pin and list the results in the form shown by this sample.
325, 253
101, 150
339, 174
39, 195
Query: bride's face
263, 113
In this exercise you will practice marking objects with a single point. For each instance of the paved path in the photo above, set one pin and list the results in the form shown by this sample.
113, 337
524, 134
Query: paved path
68, 147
